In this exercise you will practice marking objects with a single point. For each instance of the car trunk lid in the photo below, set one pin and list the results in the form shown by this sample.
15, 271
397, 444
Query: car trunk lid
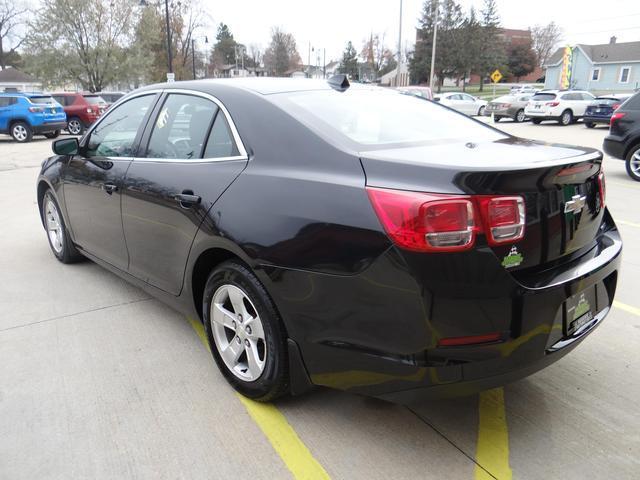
559, 185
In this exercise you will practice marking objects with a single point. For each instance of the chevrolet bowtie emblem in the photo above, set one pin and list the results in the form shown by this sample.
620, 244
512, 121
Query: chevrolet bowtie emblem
576, 204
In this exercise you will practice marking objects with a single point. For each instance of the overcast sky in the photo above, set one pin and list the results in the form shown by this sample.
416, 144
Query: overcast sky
331, 23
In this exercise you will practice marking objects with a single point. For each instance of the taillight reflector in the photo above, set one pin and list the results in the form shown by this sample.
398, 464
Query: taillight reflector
427, 222
472, 340
552, 104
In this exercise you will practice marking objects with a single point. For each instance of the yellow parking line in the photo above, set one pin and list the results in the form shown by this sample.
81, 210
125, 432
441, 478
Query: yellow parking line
629, 224
283, 438
626, 308
492, 451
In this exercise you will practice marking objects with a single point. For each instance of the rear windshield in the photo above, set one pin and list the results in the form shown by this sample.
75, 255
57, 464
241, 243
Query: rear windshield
543, 97
41, 100
633, 103
377, 117
606, 101
94, 99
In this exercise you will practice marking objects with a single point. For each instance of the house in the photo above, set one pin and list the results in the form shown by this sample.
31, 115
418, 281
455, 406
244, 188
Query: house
392, 79
611, 67
332, 68
13, 80
230, 70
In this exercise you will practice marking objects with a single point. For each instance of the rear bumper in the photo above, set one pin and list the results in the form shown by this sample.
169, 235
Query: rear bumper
596, 119
49, 127
614, 146
377, 333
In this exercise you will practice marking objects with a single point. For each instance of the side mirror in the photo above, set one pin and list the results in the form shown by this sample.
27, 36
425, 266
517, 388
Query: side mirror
66, 146
436, 99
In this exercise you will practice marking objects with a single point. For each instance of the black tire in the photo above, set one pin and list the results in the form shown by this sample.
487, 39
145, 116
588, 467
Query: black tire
566, 118
496, 119
481, 111
75, 126
519, 116
54, 134
536, 121
273, 382
68, 253
21, 132
633, 166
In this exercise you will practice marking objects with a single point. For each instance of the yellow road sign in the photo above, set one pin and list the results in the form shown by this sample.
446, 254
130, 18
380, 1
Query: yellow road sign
496, 76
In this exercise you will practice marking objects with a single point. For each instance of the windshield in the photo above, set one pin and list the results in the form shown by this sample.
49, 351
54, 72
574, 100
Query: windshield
375, 117
94, 99
543, 97
41, 100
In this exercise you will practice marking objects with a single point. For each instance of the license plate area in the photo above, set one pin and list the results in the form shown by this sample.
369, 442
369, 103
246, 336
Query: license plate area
580, 309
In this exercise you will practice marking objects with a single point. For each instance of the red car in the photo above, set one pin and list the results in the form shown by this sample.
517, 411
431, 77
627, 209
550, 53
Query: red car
82, 109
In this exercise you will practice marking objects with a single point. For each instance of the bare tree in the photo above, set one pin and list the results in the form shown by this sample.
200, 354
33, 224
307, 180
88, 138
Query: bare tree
281, 54
544, 41
376, 53
12, 16
255, 54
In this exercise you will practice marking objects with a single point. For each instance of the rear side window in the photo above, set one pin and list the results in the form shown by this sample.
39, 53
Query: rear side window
633, 103
115, 135
8, 101
376, 117
543, 97
220, 143
181, 128
94, 99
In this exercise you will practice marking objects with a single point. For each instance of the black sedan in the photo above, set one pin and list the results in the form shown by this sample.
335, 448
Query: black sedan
337, 235
602, 108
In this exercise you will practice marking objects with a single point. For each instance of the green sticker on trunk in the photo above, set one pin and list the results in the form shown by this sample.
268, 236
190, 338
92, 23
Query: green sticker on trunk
513, 259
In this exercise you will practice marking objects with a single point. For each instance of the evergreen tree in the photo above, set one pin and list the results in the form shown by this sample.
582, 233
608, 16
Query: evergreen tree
491, 54
224, 51
349, 62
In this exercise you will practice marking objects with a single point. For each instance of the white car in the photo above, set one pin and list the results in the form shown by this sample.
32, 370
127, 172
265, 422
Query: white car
517, 89
563, 106
462, 102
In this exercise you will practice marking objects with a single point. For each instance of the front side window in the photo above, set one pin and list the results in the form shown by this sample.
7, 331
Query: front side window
624, 74
181, 128
595, 75
115, 135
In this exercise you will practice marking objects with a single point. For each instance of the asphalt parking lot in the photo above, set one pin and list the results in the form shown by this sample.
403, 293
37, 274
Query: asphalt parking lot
98, 380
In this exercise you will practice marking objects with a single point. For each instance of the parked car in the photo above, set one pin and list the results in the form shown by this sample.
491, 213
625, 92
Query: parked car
508, 106
517, 89
111, 97
82, 109
565, 107
421, 92
462, 102
23, 115
623, 141
601, 109
383, 245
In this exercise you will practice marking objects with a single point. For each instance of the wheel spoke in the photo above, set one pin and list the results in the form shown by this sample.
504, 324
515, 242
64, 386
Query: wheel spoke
222, 316
253, 360
232, 352
235, 295
255, 326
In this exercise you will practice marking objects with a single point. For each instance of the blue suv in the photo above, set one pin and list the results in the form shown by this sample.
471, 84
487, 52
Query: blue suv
23, 115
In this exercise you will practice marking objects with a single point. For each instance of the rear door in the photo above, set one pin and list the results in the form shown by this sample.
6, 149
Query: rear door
469, 104
5, 112
192, 154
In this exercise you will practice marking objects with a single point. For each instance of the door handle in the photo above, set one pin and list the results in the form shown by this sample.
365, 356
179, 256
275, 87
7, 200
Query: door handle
187, 199
109, 188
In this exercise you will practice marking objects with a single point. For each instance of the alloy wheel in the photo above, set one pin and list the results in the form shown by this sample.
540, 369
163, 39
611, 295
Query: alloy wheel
520, 116
238, 333
634, 164
54, 226
74, 127
566, 118
20, 133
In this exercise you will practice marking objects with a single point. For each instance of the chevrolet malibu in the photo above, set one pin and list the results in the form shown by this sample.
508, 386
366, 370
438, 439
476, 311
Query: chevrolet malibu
345, 236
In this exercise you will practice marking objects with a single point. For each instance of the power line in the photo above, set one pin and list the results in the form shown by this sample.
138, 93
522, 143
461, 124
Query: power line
610, 30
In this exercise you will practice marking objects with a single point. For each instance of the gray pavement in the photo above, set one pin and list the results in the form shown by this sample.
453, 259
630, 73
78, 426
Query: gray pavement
97, 380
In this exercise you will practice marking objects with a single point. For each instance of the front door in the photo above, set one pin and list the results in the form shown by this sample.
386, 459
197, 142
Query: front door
93, 181
192, 156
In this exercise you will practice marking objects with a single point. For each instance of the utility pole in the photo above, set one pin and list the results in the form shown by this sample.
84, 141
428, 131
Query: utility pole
166, 14
324, 63
193, 56
433, 47
399, 67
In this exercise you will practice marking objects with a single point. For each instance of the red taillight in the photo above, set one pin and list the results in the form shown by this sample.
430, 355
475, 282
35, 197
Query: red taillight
36, 109
426, 222
602, 188
472, 340
552, 104
615, 106
616, 116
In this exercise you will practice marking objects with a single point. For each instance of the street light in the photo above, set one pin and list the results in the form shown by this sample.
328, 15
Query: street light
145, 3
433, 47
193, 53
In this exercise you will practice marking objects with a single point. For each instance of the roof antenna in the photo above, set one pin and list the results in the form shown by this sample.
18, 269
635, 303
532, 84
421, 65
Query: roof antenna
339, 82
